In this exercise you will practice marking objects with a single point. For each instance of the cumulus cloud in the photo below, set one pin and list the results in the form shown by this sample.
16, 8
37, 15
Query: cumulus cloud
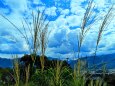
66, 15
65, 11
20, 5
51, 11
37, 2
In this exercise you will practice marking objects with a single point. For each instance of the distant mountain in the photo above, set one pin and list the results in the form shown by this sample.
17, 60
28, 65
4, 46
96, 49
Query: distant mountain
5, 63
108, 59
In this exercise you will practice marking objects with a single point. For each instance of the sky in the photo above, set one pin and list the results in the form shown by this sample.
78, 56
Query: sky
65, 18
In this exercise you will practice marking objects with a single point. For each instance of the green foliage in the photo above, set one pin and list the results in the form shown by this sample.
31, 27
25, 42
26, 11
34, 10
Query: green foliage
58, 76
53, 76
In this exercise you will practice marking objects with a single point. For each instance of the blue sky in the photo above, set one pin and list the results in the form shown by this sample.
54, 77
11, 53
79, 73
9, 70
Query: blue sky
65, 18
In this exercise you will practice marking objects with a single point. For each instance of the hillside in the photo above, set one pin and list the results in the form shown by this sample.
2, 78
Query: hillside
108, 59
5, 63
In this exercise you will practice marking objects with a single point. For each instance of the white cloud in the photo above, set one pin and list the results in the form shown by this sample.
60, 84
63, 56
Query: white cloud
20, 5
100, 3
68, 18
65, 12
73, 20
51, 11
37, 2
76, 9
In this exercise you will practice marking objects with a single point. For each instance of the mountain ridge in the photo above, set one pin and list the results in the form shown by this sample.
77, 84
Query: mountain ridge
109, 59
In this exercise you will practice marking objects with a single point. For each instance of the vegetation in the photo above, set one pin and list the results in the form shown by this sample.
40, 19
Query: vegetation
57, 74
38, 70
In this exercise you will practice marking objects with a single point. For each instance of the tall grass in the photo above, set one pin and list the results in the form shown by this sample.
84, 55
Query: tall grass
37, 42
57, 81
16, 70
84, 25
39, 32
78, 76
103, 25
27, 70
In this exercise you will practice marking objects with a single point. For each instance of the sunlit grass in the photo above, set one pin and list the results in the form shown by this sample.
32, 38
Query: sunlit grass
59, 75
